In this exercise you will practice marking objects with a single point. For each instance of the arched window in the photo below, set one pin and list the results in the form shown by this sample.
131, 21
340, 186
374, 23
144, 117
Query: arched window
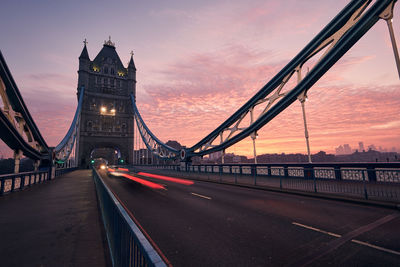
124, 127
112, 71
105, 70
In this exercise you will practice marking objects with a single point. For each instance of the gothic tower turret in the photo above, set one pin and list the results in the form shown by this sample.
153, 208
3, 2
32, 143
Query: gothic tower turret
132, 76
84, 65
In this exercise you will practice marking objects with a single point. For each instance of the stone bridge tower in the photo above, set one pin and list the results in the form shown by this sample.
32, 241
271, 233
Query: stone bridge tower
107, 116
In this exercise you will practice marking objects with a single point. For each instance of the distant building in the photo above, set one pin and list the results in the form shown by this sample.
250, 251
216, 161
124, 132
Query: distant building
347, 149
339, 150
215, 155
361, 147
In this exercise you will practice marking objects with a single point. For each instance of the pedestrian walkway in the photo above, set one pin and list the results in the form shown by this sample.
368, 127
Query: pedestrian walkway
53, 224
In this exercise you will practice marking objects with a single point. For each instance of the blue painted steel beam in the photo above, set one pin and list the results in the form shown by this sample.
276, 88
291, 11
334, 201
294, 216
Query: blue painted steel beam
342, 46
70, 132
18, 103
15, 141
158, 141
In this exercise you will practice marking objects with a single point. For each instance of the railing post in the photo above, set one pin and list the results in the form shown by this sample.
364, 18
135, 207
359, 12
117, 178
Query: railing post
338, 172
12, 183
51, 163
254, 170
371, 173
2, 186
286, 171
364, 185
314, 178
220, 168
22, 182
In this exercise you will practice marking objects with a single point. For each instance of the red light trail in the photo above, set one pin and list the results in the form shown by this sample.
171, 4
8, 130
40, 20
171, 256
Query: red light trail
166, 178
138, 180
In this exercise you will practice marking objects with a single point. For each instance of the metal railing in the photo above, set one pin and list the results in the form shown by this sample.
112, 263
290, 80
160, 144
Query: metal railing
128, 246
376, 181
18, 181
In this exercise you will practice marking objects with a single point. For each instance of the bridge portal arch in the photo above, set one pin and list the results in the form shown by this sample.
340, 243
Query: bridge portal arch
105, 150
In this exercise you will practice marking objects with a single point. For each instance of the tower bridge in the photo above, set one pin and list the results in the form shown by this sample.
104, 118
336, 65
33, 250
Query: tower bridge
182, 213
106, 116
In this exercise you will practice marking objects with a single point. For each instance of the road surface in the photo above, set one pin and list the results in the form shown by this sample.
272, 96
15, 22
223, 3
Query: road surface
208, 224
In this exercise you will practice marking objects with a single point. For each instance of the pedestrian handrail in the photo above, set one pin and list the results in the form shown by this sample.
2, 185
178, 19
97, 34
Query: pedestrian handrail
18, 181
371, 181
374, 172
128, 246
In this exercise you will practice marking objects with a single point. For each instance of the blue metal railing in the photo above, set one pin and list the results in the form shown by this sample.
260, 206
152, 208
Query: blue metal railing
128, 246
19, 181
376, 181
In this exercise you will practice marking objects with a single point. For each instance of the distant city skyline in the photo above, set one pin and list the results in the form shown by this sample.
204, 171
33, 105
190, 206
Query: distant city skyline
344, 149
199, 61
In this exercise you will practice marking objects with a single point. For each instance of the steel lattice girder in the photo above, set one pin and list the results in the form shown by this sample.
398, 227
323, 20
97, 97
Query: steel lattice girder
337, 37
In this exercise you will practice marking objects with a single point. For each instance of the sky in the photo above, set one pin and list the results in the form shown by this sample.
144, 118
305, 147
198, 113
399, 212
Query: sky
199, 61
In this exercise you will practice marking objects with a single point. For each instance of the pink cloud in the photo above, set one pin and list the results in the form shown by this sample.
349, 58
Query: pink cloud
199, 93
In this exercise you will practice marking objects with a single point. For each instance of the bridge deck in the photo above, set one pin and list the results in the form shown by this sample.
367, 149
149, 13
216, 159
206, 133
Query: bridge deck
53, 224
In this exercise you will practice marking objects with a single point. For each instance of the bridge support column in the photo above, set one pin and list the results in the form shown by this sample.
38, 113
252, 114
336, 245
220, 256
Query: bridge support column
254, 137
52, 169
17, 160
306, 130
388, 16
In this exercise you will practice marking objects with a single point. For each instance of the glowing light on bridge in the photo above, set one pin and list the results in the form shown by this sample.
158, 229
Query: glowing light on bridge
139, 180
166, 178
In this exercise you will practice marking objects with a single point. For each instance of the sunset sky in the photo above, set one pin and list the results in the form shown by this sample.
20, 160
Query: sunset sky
199, 61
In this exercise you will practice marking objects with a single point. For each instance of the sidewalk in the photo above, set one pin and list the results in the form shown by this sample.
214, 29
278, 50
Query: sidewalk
53, 224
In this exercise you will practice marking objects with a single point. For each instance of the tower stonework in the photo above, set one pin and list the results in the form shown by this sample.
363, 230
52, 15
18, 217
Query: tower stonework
106, 116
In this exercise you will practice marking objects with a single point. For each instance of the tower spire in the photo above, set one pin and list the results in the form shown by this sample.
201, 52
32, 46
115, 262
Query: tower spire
131, 64
84, 54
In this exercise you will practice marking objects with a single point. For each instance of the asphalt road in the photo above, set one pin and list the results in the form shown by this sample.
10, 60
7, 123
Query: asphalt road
208, 224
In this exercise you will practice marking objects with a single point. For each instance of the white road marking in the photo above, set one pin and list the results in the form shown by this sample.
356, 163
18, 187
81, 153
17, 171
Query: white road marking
375, 247
316, 229
353, 240
209, 198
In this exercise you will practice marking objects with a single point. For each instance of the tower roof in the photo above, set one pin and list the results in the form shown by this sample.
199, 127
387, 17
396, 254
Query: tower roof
131, 64
84, 54
108, 51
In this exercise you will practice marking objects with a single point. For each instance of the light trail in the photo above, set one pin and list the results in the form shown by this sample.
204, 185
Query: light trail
139, 180
166, 178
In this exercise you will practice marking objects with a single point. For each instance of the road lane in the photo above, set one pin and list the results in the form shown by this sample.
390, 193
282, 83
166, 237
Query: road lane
242, 226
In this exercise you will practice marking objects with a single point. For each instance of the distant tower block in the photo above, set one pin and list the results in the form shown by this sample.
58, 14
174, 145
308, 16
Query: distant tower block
361, 146
107, 116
